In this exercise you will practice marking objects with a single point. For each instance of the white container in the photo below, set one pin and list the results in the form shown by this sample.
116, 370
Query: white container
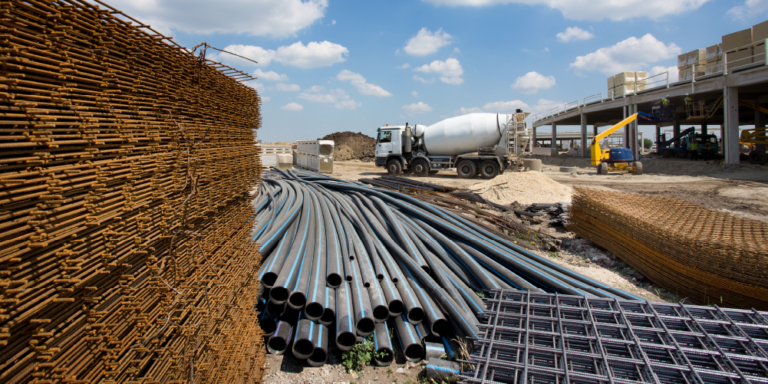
464, 134
315, 155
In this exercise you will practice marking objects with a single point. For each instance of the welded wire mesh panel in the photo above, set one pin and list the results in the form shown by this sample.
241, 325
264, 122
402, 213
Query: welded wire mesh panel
705, 256
125, 166
547, 338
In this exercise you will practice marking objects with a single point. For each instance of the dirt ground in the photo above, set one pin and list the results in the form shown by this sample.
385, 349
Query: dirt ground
741, 191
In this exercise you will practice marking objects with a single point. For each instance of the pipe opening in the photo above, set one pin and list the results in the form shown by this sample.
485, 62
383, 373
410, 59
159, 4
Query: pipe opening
441, 327
276, 310
396, 307
277, 344
380, 276
426, 269
365, 326
388, 357
415, 315
268, 325
349, 277
303, 347
318, 356
414, 352
346, 340
380, 313
314, 311
269, 279
366, 284
278, 294
328, 316
333, 280
297, 300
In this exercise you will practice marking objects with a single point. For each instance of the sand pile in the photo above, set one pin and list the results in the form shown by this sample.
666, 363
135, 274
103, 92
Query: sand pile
352, 146
524, 187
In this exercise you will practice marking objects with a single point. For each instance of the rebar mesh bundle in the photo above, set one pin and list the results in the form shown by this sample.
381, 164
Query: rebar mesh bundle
705, 256
125, 168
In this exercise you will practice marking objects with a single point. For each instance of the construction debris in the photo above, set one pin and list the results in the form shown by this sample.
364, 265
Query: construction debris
124, 208
524, 188
705, 256
353, 146
528, 337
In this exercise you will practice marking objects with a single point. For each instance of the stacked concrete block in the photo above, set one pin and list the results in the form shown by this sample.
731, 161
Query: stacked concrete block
315, 155
625, 83
683, 69
714, 57
736, 48
759, 34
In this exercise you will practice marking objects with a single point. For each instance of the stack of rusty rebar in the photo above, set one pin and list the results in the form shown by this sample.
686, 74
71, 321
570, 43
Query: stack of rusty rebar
125, 166
704, 256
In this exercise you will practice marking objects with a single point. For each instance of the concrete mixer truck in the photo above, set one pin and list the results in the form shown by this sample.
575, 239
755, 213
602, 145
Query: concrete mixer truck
474, 144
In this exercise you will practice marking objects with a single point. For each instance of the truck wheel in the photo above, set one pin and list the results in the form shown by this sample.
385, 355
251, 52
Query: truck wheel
466, 169
757, 157
602, 169
420, 168
394, 168
489, 169
638, 168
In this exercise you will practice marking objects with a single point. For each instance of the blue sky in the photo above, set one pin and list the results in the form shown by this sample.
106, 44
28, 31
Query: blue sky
342, 65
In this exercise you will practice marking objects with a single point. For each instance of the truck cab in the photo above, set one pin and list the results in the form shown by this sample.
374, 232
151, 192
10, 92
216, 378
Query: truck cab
389, 145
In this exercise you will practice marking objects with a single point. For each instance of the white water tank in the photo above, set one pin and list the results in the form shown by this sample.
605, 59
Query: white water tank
464, 134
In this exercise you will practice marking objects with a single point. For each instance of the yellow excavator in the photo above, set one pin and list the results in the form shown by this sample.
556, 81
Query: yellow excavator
614, 159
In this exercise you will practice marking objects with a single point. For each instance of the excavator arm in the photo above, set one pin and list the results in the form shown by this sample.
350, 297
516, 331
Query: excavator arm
596, 152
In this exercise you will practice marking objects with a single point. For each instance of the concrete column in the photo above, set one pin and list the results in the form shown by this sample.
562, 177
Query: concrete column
584, 135
633, 132
554, 139
626, 129
731, 125
704, 128
675, 132
760, 129
534, 144
658, 137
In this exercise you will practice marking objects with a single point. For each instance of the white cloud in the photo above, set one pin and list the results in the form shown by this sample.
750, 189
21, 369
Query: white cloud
278, 18
426, 42
574, 33
347, 104
456, 50
312, 55
595, 9
258, 54
287, 87
423, 80
266, 98
543, 105
419, 107
404, 66
269, 75
506, 106
358, 81
496, 107
533, 82
415, 94
256, 85
631, 54
450, 70
316, 94
750, 8
292, 107
333, 22
657, 81
546, 49
464, 111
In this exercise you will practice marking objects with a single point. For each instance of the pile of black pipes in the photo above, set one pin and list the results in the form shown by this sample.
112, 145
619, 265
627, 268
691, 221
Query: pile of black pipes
343, 261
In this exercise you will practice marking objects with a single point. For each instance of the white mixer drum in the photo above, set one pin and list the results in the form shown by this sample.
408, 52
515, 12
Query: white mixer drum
464, 134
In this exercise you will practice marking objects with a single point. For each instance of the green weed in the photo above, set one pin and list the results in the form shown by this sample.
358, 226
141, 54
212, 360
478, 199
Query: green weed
360, 355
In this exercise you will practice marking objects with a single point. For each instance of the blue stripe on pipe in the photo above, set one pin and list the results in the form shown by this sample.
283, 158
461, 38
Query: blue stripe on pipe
439, 368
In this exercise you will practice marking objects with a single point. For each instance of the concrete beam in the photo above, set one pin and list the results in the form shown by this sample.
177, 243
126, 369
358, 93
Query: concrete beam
583, 135
760, 129
731, 125
554, 140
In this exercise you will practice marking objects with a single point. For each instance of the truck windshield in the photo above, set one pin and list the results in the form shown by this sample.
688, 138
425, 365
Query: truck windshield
385, 136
